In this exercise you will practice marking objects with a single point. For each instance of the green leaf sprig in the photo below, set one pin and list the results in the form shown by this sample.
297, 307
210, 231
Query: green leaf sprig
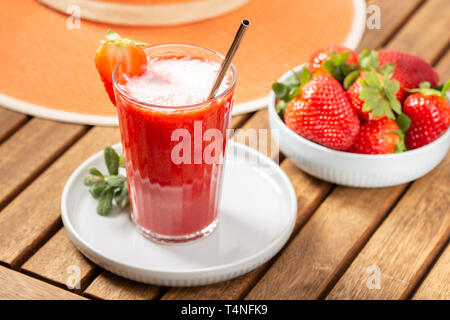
289, 88
108, 188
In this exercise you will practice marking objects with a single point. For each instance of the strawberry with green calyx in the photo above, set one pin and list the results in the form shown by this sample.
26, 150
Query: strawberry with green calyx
374, 95
429, 111
114, 50
289, 88
410, 70
322, 113
336, 60
379, 137
333, 56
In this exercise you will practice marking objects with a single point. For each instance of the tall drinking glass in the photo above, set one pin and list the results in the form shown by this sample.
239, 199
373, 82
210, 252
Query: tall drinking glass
174, 154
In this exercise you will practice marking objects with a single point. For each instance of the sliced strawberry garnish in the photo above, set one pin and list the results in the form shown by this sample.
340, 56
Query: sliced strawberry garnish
114, 50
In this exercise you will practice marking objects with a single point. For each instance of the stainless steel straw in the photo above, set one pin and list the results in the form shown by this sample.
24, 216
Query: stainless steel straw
230, 54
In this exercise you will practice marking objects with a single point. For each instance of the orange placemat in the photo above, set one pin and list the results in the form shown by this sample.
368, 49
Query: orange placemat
48, 70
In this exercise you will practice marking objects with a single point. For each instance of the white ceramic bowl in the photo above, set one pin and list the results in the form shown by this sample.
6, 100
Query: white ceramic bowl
352, 169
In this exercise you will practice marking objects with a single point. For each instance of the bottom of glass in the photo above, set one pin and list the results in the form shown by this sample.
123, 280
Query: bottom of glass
159, 238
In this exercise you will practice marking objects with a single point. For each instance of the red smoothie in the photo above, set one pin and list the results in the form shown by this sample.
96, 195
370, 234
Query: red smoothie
174, 186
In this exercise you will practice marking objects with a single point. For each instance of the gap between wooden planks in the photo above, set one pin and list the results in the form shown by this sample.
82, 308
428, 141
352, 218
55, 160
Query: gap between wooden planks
10, 121
16, 286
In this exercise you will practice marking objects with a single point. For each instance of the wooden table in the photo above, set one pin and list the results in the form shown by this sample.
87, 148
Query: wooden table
342, 235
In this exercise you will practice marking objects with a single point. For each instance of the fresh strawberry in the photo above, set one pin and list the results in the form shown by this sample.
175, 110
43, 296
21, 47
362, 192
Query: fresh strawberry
378, 137
321, 55
429, 111
114, 50
374, 96
320, 111
336, 60
409, 71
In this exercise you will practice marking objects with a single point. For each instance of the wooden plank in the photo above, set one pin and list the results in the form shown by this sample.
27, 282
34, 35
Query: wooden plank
443, 67
58, 260
16, 286
25, 154
436, 285
239, 120
9, 122
422, 34
393, 15
332, 236
110, 286
256, 133
310, 192
32, 217
405, 244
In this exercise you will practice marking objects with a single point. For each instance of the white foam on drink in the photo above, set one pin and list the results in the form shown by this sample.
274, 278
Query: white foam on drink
175, 82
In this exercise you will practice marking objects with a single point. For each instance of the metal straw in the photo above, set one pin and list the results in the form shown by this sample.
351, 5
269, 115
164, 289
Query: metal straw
230, 54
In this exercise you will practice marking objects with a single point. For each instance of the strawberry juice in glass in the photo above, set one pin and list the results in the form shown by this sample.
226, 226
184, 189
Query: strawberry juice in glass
174, 140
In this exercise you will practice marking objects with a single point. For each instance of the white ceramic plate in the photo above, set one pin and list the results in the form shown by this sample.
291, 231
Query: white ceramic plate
257, 215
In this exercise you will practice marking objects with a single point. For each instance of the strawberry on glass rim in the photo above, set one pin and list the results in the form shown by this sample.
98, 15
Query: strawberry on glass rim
115, 49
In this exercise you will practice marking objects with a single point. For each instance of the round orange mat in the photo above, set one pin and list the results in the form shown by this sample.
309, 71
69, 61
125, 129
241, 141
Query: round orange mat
48, 70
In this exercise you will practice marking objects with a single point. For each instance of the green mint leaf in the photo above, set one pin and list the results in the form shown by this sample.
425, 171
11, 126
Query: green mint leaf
121, 198
121, 161
111, 160
350, 79
96, 189
281, 90
95, 172
403, 122
90, 180
116, 181
104, 205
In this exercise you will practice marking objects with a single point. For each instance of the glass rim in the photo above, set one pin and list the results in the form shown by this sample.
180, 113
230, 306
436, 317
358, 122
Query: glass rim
189, 106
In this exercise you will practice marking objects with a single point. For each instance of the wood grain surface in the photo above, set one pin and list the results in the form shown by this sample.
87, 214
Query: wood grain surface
9, 122
58, 261
332, 236
436, 285
33, 216
393, 15
17, 286
26, 153
110, 286
405, 244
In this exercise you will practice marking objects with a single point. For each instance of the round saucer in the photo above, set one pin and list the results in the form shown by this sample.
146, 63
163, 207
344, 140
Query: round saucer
257, 215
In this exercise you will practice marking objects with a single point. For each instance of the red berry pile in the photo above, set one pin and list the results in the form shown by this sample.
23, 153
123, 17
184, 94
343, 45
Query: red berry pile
379, 102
